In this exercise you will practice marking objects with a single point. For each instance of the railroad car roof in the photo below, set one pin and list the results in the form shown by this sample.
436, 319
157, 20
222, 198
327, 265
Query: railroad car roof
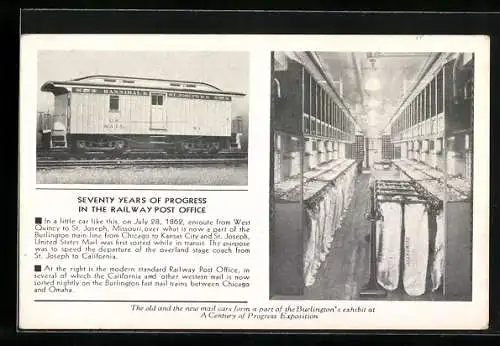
111, 81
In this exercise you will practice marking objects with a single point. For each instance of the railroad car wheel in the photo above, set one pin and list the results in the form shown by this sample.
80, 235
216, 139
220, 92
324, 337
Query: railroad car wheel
119, 148
213, 149
78, 147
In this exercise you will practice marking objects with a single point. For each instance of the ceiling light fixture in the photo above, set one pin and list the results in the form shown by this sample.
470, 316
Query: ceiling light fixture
372, 83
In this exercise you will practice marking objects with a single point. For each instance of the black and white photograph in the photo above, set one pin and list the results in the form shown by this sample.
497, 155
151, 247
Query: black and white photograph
142, 117
371, 175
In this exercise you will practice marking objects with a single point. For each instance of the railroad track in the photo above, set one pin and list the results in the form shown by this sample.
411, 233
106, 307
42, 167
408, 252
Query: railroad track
136, 163
64, 160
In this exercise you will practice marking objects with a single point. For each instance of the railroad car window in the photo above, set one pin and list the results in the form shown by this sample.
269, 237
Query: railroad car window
325, 107
334, 115
313, 97
428, 101
332, 111
114, 103
419, 110
157, 100
411, 117
412, 114
423, 116
110, 80
407, 120
423, 100
320, 107
175, 84
404, 121
422, 106
433, 97
190, 85
415, 111
329, 111
307, 93
342, 122
128, 81
439, 92
415, 107
430, 98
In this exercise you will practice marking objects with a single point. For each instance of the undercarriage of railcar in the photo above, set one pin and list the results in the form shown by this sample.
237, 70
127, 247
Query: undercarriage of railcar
122, 144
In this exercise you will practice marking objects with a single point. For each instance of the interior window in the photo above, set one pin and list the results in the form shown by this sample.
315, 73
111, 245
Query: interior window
307, 93
440, 92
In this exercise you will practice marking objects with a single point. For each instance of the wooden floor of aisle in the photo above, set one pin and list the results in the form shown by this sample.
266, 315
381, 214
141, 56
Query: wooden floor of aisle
346, 268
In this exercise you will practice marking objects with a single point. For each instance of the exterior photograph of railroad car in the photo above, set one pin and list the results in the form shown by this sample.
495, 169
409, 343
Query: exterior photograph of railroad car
147, 109
372, 176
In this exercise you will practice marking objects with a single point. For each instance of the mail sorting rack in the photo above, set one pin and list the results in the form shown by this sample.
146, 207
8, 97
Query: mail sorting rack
306, 215
401, 260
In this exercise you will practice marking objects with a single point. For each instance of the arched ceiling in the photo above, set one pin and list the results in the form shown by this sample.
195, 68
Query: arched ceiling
395, 73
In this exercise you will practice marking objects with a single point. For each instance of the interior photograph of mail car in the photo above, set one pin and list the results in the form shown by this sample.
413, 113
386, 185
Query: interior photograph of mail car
371, 176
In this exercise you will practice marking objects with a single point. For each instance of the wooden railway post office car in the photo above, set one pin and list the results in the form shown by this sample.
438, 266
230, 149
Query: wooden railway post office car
119, 113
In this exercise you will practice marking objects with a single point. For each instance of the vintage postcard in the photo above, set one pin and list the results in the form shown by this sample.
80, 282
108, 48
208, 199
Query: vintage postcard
222, 182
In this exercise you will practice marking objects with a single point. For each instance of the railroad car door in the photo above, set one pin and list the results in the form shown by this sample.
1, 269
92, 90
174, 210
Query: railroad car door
158, 112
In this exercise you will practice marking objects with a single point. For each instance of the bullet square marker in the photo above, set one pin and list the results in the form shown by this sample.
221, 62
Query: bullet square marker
38, 268
38, 220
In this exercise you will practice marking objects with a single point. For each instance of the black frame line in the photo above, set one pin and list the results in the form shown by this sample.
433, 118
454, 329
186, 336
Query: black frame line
138, 301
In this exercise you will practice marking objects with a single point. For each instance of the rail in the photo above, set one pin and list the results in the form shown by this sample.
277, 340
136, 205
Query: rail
65, 159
